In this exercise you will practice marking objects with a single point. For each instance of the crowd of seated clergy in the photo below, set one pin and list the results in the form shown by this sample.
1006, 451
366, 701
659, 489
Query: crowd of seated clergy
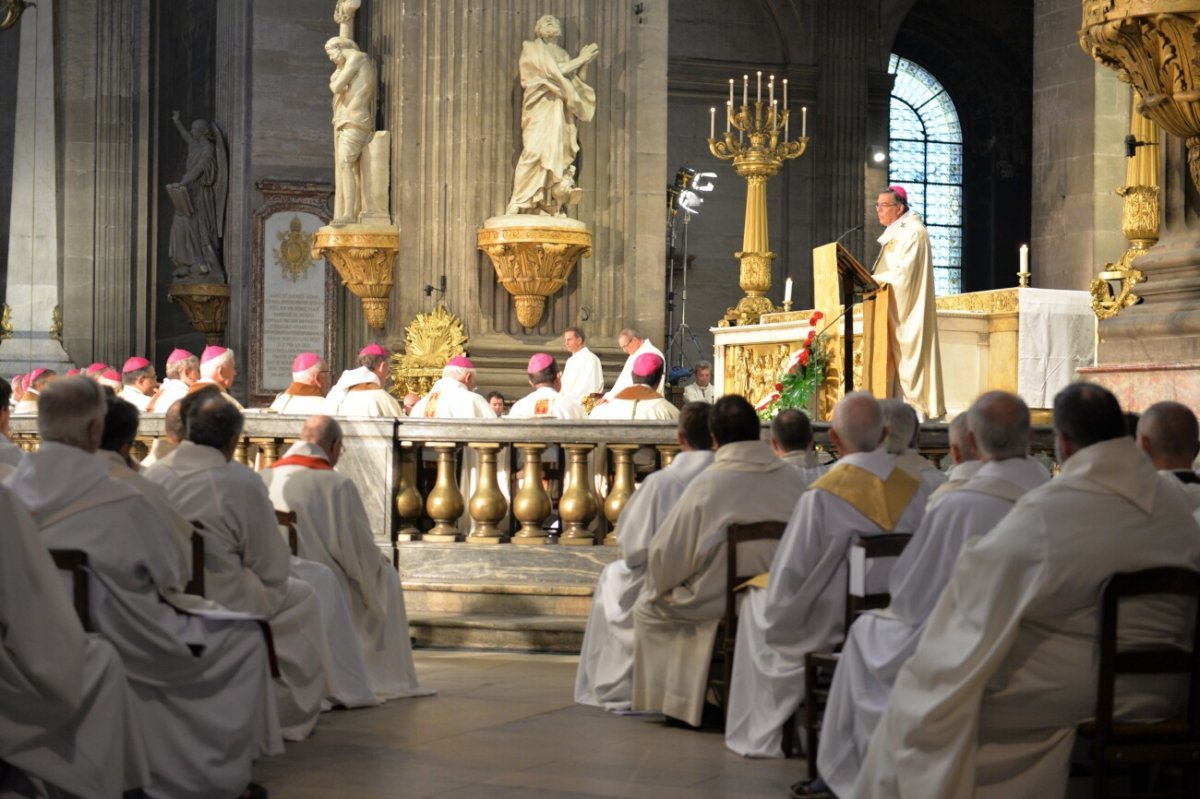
175, 694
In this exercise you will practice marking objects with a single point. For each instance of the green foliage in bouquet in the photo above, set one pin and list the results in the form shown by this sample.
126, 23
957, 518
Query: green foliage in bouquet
803, 377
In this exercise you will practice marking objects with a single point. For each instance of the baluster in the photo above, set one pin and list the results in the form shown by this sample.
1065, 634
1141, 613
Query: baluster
270, 450
408, 497
445, 502
138, 451
531, 505
239, 452
622, 488
578, 506
488, 504
667, 452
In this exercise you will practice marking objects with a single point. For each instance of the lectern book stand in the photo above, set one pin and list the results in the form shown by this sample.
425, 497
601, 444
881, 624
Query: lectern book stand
837, 279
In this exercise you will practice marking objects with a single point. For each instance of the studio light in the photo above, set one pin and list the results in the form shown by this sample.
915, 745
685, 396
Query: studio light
878, 155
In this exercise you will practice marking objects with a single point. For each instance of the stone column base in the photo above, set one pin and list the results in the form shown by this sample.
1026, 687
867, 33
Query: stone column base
1137, 386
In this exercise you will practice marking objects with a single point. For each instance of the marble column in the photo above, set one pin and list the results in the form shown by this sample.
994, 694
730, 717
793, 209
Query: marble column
33, 253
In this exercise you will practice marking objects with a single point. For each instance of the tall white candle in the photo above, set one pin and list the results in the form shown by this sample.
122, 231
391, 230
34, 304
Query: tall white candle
785, 93
1024, 259
804, 122
728, 115
731, 91
774, 112
758, 93
745, 90
787, 290
712, 122
771, 90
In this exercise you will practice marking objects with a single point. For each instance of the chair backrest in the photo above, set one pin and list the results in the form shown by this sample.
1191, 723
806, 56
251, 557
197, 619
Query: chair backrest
741, 534
863, 550
196, 584
1165, 581
75, 562
287, 518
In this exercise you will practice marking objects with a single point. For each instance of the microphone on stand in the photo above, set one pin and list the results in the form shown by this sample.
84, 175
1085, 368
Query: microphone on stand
838, 240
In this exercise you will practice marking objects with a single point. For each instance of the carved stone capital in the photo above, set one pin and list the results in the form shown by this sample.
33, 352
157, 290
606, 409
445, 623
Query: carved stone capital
533, 263
206, 306
364, 258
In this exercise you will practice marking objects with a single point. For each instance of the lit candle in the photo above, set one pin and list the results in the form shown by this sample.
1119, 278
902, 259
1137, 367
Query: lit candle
731, 92
804, 122
786, 120
785, 93
745, 90
758, 96
771, 89
1024, 259
712, 123
774, 112
787, 291
728, 115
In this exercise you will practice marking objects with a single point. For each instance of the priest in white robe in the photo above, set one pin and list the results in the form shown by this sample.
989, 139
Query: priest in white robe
903, 436
172, 435
639, 401
964, 459
1168, 432
10, 453
545, 401
246, 561
905, 264
218, 368
305, 395
676, 617
879, 642
362, 391
583, 374
67, 717
792, 441
183, 369
803, 607
204, 701
139, 383
605, 675
701, 389
453, 395
633, 345
333, 529
988, 704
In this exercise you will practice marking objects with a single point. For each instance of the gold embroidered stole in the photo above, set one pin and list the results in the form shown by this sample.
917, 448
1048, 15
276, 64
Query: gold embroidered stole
881, 501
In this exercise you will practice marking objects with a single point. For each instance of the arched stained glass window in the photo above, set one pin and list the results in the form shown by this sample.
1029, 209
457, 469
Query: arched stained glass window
927, 159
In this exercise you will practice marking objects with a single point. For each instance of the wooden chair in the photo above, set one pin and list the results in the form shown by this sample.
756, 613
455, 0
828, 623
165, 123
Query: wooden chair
1176, 741
721, 669
820, 666
75, 561
287, 518
196, 584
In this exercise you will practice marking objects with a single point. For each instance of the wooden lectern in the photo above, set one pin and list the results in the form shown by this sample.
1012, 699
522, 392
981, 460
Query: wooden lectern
837, 278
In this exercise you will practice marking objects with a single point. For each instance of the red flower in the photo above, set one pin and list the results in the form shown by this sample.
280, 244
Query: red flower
812, 334
779, 386
793, 368
804, 357
816, 317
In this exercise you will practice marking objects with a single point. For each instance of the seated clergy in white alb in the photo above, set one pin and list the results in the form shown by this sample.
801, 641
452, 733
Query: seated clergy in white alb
217, 368
1168, 432
964, 459
453, 395
879, 642
172, 436
202, 686
67, 719
701, 389
246, 562
362, 391
334, 530
605, 676
639, 401
904, 432
988, 704
306, 394
545, 401
139, 383
582, 374
792, 441
676, 617
35, 382
803, 607
10, 454
182, 370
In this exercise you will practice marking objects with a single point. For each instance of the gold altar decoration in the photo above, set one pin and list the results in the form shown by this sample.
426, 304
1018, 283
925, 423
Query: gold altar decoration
758, 149
533, 263
6, 323
430, 341
206, 306
294, 254
1153, 45
364, 258
56, 324
1140, 219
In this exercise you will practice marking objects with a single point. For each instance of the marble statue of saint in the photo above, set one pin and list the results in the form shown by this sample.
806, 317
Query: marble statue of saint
353, 86
556, 99
199, 200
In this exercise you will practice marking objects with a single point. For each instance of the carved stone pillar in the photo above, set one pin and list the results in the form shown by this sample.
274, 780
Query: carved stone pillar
531, 505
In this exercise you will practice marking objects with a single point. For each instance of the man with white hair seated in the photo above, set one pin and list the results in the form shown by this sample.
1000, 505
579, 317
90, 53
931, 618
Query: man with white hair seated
879, 642
453, 395
35, 383
10, 454
545, 401
904, 431
363, 391
639, 400
334, 530
306, 395
183, 369
1168, 432
139, 383
802, 609
964, 459
202, 686
67, 720
217, 368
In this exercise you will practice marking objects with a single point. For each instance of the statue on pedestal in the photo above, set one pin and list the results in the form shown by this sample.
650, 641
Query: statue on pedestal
353, 86
556, 97
199, 200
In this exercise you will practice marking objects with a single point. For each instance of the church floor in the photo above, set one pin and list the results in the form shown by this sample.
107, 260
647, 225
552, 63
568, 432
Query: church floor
504, 725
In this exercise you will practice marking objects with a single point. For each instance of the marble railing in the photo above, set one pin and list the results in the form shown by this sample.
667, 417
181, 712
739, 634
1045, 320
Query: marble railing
414, 475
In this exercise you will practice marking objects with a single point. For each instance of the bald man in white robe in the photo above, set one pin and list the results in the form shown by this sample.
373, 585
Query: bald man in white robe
203, 690
676, 617
67, 717
605, 675
904, 433
1168, 432
333, 529
879, 642
803, 607
988, 704
964, 460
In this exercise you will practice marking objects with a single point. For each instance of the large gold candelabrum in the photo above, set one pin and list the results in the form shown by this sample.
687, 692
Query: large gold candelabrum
757, 141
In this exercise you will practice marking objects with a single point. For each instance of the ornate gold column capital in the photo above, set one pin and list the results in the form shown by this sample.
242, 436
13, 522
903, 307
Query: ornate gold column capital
364, 258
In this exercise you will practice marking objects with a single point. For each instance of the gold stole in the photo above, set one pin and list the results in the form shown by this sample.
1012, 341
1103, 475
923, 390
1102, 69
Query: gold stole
881, 501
